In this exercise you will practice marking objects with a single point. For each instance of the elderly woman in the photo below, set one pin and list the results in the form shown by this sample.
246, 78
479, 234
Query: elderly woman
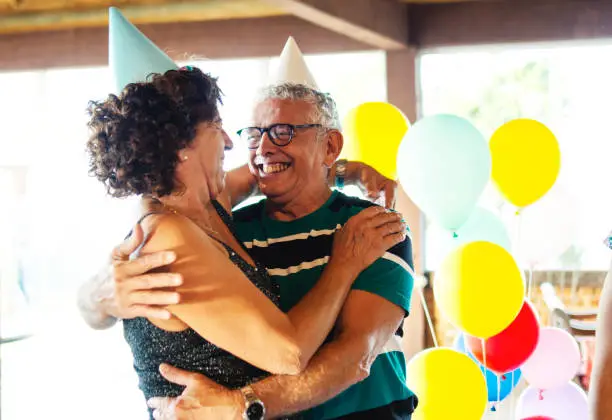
163, 140
601, 380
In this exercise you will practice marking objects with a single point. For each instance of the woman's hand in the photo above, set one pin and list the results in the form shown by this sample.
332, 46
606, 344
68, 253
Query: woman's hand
366, 237
202, 399
375, 186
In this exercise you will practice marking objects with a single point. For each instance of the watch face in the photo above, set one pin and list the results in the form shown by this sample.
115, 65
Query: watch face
255, 411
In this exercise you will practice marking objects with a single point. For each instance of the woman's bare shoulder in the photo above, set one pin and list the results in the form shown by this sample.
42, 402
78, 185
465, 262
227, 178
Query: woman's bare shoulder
166, 231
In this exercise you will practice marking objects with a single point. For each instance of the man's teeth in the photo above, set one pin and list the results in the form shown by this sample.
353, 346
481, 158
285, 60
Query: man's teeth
275, 167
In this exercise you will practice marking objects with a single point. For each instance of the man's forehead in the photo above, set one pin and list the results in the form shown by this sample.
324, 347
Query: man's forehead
272, 111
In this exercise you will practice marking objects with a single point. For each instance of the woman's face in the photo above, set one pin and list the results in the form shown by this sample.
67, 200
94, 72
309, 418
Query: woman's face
205, 156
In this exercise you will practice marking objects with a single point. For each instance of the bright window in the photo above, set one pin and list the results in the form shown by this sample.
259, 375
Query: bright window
566, 87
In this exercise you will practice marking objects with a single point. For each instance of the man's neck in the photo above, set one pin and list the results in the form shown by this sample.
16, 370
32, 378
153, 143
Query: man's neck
306, 203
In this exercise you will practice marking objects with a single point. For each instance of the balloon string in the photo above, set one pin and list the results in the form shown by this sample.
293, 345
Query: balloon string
428, 317
512, 395
517, 236
518, 251
484, 354
529, 282
484, 361
498, 391
518, 248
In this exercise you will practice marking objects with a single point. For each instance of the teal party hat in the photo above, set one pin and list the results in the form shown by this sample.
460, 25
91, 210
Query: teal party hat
131, 55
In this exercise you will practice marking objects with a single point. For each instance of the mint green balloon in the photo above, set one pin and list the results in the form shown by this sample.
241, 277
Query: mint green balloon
444, 164
483, 225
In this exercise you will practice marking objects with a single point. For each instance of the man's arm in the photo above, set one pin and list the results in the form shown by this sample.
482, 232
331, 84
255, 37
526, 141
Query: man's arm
89, 300
334, 368
601, 381
339, 364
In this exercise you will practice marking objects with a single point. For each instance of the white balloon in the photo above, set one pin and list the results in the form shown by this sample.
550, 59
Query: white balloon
547, 228
566, 402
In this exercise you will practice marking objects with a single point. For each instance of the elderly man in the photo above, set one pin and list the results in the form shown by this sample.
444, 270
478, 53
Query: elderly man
359, 373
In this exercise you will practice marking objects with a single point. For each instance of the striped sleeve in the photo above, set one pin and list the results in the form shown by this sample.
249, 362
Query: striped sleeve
392, 276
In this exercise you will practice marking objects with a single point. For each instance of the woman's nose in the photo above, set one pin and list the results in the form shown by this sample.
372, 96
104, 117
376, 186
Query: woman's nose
228, 141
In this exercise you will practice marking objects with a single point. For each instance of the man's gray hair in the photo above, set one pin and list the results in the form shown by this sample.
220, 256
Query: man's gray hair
325, 111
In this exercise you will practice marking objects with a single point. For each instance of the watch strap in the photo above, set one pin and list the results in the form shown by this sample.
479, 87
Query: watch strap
340, 173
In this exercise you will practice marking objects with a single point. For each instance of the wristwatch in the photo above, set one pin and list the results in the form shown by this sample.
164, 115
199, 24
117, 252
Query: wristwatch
340, 173
254, 408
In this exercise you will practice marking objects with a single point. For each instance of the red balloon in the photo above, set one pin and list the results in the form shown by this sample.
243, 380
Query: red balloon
510, 348
537, 418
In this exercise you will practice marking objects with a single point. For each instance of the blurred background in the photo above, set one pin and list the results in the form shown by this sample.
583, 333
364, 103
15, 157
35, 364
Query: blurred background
488, 61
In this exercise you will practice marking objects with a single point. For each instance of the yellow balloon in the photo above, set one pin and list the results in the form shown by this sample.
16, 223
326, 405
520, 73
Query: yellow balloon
525, 160
479, 288
448, 384
373, 132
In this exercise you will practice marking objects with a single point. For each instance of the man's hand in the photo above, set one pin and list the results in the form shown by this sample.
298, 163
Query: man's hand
376, 187
366, 236
202, 398
134, 290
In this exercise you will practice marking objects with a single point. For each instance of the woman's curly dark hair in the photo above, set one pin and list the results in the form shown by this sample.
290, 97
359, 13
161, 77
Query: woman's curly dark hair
137, 135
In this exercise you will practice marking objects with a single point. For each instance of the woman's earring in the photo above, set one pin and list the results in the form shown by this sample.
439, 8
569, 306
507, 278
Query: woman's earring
185, 157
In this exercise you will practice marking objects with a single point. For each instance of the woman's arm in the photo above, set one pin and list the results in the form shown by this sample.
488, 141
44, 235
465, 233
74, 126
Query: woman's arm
374, 186
601, 376
224, 307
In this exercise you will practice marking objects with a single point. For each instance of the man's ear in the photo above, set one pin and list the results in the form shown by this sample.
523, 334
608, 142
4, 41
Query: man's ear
334, 143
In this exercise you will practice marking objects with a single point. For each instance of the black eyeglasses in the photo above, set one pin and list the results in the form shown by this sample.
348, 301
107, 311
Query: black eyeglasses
279, 134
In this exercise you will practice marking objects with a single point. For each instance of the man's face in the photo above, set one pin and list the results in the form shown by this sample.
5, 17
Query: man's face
284, 173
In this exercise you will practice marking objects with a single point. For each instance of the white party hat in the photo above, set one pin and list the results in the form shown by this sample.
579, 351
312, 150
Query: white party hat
292, 67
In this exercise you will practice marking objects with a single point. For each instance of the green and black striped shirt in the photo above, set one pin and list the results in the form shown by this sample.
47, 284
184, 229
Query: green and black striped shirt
295, 254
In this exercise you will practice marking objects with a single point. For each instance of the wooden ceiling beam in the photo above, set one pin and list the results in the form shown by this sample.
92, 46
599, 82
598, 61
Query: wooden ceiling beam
382, 24
516, 21
167, 12
226, 39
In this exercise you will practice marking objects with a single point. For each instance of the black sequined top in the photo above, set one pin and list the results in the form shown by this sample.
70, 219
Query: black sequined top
152, 345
